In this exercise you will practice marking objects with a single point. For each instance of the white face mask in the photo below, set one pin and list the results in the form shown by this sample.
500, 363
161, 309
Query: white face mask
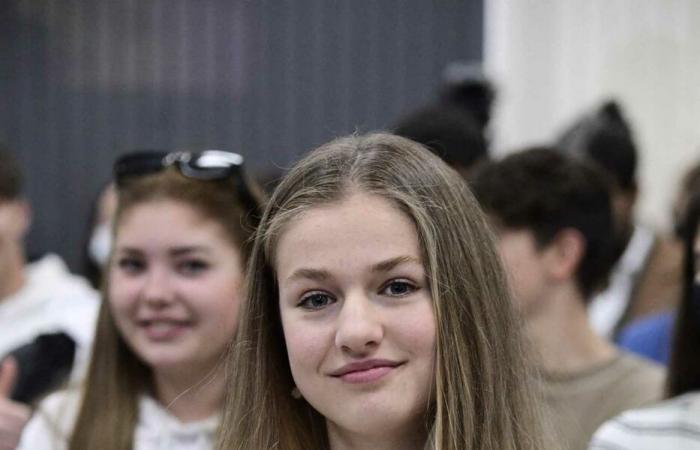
100, 244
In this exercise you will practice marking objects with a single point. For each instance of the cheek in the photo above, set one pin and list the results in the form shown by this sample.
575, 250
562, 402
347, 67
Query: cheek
123, 297
416, 330
220, 306
307, 344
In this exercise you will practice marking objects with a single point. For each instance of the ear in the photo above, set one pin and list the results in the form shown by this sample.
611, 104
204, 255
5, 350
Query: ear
564, 254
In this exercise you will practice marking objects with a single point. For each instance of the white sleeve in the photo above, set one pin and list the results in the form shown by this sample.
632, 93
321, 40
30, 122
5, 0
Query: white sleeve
612, 436
50, 426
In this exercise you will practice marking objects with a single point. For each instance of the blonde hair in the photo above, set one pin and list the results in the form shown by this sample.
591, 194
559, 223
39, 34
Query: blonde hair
482, 397
116, 377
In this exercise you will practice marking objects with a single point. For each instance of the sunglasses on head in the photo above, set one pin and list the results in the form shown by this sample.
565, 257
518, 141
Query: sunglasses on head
206, 165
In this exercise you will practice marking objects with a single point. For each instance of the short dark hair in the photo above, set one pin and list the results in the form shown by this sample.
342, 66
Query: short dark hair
10, 175
447, 131
606, 138
544, 191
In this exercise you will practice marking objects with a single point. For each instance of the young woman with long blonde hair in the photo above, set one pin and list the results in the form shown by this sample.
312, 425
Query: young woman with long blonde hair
377, 314
173, 287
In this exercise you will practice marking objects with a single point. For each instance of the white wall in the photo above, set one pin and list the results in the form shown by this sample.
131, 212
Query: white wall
554, 59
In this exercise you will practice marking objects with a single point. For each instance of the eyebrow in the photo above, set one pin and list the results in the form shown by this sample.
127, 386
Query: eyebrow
322, 275
389, 264
177, 251
310, 274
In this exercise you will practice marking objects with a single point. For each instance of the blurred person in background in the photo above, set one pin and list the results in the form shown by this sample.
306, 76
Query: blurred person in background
675, 423
173, 289
448, 132
651, 335
466, 87
455, 126
554, 224
99, 236
47, 315
646, 276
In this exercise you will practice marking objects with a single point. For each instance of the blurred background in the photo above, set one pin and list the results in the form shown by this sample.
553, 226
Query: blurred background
83, 81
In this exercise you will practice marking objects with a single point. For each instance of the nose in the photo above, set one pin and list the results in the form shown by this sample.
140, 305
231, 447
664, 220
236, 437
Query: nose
360, 329
156, 290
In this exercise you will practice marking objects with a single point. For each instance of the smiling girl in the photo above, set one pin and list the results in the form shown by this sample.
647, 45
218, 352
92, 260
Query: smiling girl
173, 289
377, 314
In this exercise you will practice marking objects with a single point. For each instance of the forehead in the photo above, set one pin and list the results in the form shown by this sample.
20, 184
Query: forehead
159, 221
361, 224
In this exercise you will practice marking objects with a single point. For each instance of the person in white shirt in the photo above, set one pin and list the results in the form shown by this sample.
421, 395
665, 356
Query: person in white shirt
675, 423
173, 288
47, 314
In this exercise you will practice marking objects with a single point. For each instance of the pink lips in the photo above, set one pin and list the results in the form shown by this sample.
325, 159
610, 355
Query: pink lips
163, 329
365, 371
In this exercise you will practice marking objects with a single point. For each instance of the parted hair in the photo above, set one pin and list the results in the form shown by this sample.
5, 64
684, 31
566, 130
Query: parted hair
116, 376
481, 382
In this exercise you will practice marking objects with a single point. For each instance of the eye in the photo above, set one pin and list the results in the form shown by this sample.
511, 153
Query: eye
192, 267
398, 288
315, 301
131, 265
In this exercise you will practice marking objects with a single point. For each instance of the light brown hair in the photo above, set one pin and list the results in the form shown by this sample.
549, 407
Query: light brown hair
482, 397
116, 377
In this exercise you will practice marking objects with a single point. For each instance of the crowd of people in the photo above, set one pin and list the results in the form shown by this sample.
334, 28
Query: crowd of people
396, 290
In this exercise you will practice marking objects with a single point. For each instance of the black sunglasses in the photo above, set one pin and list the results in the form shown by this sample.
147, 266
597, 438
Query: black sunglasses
206, 165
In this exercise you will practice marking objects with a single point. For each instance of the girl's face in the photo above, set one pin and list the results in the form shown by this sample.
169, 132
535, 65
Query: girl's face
174, 286
357, 316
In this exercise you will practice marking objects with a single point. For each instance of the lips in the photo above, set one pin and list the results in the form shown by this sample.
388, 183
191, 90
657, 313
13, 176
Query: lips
163, 329
365, 371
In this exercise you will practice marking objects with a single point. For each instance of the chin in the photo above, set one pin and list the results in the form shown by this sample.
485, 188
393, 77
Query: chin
378, 420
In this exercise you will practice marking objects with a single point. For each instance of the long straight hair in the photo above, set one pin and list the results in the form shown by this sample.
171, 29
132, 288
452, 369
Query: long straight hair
482, 397
116, 377
684, 367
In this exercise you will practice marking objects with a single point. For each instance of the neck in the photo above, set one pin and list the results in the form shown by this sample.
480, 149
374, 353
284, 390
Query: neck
563, 337
413, 438
12, 272
190, 396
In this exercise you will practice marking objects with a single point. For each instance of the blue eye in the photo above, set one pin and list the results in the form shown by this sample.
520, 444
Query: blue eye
315, 301
398, 288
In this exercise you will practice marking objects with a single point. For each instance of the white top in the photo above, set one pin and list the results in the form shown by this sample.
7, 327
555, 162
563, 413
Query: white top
156, 429
673, 424
51, 300
607, 307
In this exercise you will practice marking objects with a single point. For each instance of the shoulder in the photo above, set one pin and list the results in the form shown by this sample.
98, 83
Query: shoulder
639, 379
642, 370
71, 304
51, 424
158, 428
52, 274
674, 424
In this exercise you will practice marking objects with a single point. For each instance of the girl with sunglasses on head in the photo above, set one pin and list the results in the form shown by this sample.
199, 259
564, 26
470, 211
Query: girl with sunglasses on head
172, 292
377, 315
675, 423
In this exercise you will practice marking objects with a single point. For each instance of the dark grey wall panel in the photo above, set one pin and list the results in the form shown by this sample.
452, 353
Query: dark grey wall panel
82, 81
